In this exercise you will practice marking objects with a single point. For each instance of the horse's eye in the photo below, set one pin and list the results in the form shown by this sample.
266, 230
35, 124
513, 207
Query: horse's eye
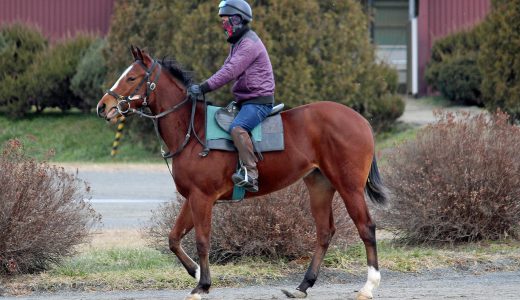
131, 78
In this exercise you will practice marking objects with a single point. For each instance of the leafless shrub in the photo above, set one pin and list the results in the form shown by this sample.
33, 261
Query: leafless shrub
274, 226
459, 180
42, 212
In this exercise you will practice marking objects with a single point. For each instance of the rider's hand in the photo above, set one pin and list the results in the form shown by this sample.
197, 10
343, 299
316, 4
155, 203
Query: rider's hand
194, 91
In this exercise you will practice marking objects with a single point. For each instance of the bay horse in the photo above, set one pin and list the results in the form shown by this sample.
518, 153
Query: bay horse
327, 144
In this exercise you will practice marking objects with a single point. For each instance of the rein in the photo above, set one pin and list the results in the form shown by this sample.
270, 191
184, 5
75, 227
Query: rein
151, 86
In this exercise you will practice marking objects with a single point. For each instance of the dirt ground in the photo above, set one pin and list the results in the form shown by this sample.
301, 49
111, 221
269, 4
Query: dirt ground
440, 284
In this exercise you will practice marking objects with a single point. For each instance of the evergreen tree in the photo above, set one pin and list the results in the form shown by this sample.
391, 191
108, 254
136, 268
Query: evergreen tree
320, 50
499, 61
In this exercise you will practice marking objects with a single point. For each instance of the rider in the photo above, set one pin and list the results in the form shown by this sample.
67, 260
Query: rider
249, 65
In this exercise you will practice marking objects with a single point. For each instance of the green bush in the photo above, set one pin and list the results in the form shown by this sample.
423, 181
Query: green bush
453, 68
458, 181
49, 78
459, 79
498, 60
19, 45
320, 50
87, 84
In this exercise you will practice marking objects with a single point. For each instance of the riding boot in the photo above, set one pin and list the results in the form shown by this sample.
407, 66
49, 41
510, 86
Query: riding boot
247, 176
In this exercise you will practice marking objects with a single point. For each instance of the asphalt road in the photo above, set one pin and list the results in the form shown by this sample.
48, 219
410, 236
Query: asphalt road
124, 194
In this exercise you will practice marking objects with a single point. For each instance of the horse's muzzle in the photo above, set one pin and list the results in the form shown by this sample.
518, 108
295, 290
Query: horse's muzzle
101, 110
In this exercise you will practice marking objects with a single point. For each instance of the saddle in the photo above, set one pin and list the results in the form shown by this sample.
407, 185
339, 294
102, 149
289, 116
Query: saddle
267, 136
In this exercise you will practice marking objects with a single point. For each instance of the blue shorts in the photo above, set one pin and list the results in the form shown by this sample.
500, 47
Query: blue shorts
250, 115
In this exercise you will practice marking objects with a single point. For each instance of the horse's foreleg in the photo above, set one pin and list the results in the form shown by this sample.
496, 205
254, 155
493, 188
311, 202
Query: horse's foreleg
321, 193
358, 211
183, 225
201, 208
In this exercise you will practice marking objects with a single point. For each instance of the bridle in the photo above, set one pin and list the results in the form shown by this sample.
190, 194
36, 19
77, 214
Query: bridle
150, 87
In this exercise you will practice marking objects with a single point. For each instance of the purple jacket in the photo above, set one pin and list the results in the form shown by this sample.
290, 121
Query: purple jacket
248, 63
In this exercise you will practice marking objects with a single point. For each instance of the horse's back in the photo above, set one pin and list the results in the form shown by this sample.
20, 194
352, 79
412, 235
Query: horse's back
325, 118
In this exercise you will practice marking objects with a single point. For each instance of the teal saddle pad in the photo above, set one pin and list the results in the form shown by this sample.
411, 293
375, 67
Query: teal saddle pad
267, 136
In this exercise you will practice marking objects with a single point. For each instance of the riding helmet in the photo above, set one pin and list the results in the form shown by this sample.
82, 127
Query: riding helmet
236, 7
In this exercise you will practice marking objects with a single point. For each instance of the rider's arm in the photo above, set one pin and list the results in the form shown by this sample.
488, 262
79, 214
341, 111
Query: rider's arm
239, 60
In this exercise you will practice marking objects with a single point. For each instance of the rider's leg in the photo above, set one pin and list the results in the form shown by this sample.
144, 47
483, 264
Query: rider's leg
247, 178
249, 116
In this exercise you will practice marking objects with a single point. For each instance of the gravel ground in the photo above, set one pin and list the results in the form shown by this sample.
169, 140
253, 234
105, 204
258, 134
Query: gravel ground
441, 284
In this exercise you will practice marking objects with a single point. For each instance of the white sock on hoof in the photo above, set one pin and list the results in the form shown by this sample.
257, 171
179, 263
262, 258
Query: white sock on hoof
373, 279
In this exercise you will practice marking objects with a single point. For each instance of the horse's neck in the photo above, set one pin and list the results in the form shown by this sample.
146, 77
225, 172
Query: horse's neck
174, 126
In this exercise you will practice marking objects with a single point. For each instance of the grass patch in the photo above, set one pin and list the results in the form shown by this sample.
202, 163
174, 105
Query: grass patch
436, 101
139, 267
482, 257
395, 136
71, 137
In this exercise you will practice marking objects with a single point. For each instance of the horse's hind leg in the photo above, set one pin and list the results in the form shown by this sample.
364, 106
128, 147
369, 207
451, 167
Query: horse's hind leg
321, 193
358, 211
183, 225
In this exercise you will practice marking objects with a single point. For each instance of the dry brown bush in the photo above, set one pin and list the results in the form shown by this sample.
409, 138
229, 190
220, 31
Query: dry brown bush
43, 214
274, 226
459, 180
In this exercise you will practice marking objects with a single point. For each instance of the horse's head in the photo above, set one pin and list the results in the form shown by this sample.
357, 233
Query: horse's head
132, 89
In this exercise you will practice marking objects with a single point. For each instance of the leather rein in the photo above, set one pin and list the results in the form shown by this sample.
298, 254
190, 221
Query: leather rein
150, 87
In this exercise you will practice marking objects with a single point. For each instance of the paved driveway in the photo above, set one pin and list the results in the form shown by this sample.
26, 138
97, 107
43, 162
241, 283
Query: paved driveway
125, 194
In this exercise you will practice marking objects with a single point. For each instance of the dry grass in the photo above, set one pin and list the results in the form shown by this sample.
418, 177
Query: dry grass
114, 238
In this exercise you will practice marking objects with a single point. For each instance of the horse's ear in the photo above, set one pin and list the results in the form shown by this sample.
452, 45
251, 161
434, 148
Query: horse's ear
145, 57
135, 52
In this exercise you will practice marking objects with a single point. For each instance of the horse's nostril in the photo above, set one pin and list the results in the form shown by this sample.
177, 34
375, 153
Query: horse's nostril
101, 109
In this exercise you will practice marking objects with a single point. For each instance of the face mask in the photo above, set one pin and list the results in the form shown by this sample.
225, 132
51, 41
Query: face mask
232, 25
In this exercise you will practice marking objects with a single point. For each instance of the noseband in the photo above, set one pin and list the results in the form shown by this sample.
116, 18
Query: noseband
150, 87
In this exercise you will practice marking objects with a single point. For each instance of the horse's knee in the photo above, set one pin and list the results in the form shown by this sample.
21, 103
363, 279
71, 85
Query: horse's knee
368, 234
324, 239
202, 248
174, 243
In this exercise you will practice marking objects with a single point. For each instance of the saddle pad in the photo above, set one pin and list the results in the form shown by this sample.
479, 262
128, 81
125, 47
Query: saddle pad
268, 136
215, 132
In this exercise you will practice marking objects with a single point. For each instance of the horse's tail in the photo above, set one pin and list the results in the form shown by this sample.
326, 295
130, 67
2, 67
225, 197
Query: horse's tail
375, 189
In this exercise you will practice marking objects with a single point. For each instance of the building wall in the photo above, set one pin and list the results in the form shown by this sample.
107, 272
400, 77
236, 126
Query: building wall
59, 18
438, 18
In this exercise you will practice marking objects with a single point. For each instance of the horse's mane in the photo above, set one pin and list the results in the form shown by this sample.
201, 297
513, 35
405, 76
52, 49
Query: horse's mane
176, 70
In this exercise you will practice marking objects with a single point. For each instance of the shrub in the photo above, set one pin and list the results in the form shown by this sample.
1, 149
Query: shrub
48, 79
459, 180
311, 61
87, 83
459, 80
255, 227
389, 106
453, 70
498, 60
43, 214
19, 45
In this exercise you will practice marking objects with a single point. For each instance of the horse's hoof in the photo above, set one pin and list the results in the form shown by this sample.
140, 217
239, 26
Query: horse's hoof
295, 294
363, 296
193, 297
